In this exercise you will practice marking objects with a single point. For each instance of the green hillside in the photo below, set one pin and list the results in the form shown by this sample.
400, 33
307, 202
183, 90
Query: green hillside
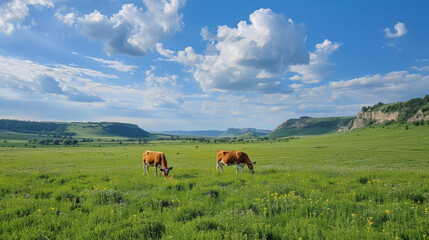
30, 130
107, 130
310, 126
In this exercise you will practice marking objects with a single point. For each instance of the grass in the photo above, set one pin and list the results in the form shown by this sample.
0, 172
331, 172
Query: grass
368, 183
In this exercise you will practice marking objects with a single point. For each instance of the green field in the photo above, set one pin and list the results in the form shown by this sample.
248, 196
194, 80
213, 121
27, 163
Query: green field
370, 183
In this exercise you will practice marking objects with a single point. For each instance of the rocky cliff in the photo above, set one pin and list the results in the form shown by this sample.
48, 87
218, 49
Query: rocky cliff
419, 116
414, 110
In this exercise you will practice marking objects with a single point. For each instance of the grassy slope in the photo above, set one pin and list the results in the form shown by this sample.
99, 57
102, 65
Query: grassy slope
315, 126
329, 186
88, 130
82, 130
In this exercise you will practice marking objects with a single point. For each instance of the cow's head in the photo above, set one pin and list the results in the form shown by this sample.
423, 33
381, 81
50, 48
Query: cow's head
165, 171
250, 166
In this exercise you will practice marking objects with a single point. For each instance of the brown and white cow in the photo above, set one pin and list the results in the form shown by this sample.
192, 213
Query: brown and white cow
229, 158
156, 159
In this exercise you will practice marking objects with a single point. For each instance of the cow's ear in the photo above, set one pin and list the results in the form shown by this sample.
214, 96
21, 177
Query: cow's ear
223, 152
170, 168
254, 162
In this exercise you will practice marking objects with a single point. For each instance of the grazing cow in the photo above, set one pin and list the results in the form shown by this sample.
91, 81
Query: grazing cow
156, 159
229, 158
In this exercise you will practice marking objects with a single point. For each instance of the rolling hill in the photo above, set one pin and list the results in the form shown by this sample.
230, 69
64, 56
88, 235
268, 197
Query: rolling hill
32, 129
310, 126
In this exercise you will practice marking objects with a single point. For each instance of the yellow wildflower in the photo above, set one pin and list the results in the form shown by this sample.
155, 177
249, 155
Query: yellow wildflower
53, 209
387, 211
39, 210
353, 214
134, 215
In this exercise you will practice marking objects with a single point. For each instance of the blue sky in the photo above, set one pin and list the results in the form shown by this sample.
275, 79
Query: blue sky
193, 65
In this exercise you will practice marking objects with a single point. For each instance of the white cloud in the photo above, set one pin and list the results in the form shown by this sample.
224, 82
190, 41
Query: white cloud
391, 87
400, 31
159, 81
206, 35
132, 30
188, 57
250, 57
13, 12
25, 77
117, 65
421, 69
318, 67
67, 81
69, 18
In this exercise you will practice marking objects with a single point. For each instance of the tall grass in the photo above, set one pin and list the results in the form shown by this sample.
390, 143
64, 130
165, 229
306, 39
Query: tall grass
371, 183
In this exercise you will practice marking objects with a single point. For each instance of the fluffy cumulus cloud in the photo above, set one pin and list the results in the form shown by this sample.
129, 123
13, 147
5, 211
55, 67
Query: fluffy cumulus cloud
400, 31
251, 57
68, 18
13, 12
318, 67
133, 30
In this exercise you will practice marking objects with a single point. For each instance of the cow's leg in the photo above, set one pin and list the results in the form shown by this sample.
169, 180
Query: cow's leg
221, 167
147, 168
143, 169
156, 169
217, 166
242, 166
236, 169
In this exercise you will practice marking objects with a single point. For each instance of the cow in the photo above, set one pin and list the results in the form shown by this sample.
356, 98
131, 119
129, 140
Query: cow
229, 158
156, 159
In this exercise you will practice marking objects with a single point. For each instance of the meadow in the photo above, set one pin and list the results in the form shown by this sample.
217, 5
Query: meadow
369, 183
